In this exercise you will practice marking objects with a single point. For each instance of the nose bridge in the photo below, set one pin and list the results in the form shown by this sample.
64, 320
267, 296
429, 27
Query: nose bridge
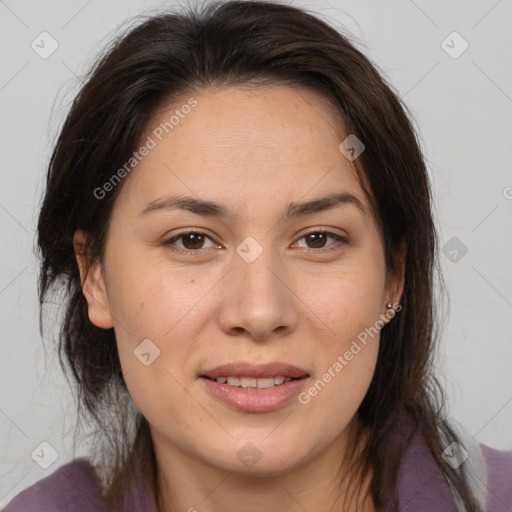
259, 300
255, 267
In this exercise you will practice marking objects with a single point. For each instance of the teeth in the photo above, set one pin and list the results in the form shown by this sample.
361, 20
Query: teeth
251, 382
233, 381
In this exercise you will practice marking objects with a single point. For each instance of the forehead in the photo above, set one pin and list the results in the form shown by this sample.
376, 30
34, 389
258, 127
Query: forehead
270, 142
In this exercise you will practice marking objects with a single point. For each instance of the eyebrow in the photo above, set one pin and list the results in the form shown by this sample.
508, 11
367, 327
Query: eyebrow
211, 209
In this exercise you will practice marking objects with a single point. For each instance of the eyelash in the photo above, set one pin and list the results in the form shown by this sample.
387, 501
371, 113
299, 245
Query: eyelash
168, 243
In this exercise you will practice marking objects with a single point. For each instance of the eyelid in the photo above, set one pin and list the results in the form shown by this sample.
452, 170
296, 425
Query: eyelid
320, 229
168, 241
331, 247
339, 238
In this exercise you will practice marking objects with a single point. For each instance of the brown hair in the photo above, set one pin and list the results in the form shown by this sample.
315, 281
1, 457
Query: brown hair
234, 43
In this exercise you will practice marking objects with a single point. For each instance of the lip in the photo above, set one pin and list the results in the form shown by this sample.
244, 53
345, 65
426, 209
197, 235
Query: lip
255, 370
255, 399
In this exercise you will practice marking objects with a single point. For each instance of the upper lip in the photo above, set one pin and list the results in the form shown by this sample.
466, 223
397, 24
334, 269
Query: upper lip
255, 370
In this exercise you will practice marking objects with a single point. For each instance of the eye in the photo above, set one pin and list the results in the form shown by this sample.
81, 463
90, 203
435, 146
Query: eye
318, 239
192, 242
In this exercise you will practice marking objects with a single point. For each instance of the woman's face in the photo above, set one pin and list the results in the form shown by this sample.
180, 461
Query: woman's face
252, 289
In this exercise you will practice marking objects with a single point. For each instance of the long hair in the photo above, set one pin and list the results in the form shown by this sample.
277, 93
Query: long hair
172, 54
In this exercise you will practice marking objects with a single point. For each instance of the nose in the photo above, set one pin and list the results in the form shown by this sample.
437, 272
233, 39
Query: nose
259, 299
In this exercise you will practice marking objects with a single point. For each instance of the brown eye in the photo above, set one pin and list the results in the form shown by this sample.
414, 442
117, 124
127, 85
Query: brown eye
193, 240
189, 242
318, 240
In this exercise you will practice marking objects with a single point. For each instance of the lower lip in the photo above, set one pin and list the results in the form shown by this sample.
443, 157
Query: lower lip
255, 399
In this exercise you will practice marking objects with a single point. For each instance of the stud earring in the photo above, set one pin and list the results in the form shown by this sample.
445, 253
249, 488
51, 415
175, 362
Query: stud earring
389, 305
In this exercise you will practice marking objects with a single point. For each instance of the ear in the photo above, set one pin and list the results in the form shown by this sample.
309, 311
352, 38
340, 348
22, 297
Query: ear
93, 284
395, 278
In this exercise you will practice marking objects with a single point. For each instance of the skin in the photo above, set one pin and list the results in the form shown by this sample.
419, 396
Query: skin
255, 150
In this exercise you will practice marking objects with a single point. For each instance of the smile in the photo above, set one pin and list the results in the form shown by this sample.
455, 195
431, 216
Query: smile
251, 382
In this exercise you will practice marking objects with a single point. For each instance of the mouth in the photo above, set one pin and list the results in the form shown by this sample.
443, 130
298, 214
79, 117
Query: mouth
253, 370
252, 382
254, 388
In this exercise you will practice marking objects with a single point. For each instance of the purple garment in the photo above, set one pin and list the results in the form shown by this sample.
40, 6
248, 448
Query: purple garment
421, 487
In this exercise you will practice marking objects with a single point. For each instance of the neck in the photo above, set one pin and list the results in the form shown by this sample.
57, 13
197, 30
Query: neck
322, 483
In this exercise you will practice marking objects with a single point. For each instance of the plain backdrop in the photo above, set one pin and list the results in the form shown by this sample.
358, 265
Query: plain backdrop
460, 100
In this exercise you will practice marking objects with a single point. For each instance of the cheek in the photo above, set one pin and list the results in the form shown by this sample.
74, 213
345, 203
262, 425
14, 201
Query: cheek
346, 300
149, 297
155, 302
348, 310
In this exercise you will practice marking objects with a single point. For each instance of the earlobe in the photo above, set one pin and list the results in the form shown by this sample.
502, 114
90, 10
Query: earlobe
396, 278
93, 285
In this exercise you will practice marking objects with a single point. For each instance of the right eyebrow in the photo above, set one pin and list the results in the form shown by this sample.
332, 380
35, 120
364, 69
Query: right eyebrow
212, 209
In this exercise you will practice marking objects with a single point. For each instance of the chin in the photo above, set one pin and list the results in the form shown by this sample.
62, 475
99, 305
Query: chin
258, 458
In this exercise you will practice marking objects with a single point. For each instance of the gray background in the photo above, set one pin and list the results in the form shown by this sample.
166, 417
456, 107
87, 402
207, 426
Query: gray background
462, 106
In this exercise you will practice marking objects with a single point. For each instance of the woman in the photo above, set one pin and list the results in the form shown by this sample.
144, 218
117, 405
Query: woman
241, 213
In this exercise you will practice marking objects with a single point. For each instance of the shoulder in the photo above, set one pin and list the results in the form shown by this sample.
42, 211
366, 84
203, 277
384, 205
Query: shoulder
70, 488
498, 478
489, 472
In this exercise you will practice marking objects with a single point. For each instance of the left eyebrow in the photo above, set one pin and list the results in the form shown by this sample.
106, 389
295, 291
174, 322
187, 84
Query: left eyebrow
212, 209
324, 203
